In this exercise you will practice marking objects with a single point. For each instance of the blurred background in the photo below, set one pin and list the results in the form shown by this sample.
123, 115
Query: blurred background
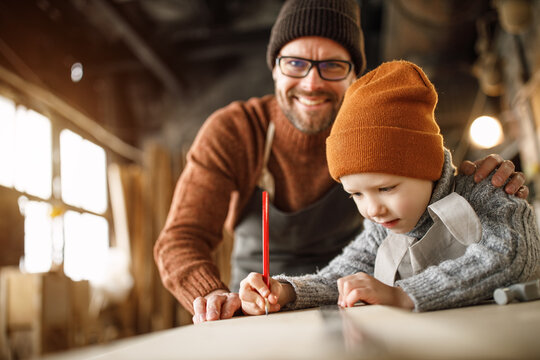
101, 99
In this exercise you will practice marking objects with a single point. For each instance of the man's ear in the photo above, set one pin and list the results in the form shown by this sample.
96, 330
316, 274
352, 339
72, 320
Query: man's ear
274, 73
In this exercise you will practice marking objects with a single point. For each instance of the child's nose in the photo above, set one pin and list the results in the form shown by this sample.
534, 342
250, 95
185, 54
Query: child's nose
375, 208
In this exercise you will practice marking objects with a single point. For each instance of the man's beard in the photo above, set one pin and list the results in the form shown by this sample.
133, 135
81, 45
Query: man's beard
309, 122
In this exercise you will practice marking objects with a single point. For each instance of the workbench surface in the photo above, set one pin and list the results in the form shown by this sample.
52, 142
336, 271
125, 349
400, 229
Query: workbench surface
486, 331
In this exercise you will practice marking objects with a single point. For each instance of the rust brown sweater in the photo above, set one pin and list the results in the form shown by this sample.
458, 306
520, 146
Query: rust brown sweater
225, 159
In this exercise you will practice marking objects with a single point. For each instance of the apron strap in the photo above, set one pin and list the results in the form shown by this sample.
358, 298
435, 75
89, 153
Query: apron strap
266, 180
389, 256
459, 218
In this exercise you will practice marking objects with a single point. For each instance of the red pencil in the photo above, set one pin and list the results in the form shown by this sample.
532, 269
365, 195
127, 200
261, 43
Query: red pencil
266, 255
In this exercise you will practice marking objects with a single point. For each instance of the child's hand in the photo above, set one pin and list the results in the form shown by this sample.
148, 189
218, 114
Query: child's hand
253, 292
363, 287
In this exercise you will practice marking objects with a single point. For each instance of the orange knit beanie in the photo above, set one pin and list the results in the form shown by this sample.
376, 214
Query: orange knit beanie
387, 125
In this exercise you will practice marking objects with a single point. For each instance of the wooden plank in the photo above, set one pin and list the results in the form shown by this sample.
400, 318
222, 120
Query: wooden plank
82, 325
23, 299
55, 312
133, 181
24, 312
4, 345
11, 228
119, 208
159, 188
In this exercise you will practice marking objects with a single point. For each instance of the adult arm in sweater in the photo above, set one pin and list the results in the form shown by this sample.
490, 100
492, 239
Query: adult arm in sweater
222, 156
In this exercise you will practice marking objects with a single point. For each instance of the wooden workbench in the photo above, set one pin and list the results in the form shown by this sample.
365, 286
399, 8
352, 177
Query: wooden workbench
486, 331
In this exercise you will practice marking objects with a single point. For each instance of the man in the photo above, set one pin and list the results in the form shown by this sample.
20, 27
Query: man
274, 143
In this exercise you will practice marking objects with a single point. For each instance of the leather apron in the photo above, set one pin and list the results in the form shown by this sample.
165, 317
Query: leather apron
455, 227
301, 242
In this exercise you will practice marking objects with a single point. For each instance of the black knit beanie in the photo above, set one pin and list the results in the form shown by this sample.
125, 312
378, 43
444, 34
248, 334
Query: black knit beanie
338, 20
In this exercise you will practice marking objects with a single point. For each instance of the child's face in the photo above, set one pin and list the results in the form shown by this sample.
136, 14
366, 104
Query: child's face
395, 202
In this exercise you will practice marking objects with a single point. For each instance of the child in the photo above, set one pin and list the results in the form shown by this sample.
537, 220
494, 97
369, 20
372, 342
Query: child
432, 240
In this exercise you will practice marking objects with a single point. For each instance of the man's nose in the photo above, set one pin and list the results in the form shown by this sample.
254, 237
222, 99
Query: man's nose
312, 81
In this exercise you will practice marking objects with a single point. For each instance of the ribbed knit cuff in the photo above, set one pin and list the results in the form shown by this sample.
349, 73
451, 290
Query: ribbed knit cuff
424, 294
199, 282
307, 295
296, 304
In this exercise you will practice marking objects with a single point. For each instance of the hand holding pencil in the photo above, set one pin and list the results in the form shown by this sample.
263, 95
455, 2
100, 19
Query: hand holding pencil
254, 291
259, 292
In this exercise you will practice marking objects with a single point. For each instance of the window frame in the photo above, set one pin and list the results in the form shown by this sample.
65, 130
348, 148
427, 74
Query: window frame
59, 123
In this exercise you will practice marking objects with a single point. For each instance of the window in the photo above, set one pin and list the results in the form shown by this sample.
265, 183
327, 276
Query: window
33, 153
70, 226
7, 142
83, 174
25, 150
86, 245
38, 235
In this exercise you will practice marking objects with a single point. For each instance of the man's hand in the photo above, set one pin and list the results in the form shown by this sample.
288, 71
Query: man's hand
363, 287
219, 304
506, 170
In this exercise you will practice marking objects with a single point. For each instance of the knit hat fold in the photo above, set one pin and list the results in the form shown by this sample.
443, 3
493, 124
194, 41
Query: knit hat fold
387, 125
338, 20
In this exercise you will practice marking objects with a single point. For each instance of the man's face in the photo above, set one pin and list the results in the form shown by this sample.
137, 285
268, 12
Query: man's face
311, 103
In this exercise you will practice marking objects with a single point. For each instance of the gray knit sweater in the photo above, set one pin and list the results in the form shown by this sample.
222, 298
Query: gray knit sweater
508, 252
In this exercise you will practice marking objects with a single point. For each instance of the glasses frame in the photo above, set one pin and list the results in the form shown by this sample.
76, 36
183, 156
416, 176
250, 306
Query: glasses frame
316, 64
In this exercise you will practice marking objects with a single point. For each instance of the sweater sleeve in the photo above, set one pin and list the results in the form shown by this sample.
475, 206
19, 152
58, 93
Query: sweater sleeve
219, 163
321, 288
508, 252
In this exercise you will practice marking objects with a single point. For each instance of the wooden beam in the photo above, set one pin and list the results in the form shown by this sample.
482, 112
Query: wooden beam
81, 120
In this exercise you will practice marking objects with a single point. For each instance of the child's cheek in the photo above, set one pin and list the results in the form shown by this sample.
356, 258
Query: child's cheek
360, 207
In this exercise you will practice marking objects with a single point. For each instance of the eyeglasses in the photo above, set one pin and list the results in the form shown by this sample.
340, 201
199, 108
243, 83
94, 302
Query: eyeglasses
331, 70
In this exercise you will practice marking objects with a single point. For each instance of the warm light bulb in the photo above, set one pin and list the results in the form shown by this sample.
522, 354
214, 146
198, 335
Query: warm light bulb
486, 132
76, 72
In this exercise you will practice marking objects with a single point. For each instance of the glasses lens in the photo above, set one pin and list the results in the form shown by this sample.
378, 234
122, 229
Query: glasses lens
294, 67
334, 70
